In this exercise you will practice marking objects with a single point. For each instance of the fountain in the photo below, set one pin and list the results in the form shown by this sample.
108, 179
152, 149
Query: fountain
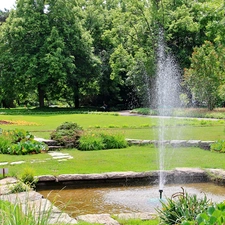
167, 98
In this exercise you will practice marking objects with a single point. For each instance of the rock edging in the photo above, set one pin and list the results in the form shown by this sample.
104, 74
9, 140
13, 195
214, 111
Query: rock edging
179, 175
174, 143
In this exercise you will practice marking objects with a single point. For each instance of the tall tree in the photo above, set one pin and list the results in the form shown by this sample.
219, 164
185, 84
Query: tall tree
206, 74
45, 48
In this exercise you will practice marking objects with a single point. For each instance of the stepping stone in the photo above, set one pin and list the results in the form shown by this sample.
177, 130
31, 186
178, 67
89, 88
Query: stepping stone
59, 155
17, 163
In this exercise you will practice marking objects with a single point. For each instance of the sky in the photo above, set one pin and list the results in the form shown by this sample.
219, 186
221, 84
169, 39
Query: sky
8, 4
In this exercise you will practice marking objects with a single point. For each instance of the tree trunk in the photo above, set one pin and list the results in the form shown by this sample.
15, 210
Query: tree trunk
41, 95
76, 95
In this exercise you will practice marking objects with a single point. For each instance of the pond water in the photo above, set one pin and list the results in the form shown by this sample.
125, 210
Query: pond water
124, 199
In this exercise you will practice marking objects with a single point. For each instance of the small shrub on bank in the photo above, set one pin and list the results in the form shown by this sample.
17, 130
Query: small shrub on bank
182, 207
100, 141
19, 187
68, 132
218, 146
28, 178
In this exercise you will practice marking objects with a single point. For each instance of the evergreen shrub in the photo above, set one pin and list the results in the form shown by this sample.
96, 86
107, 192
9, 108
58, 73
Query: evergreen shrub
67, 132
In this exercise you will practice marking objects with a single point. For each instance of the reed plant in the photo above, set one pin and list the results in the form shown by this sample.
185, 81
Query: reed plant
13, 214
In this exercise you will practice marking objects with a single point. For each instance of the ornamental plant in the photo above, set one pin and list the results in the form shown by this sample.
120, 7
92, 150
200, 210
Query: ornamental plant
20, 142
67, 133
182, 207
215, 214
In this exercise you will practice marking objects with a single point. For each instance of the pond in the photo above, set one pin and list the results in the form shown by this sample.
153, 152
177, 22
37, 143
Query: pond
113, 200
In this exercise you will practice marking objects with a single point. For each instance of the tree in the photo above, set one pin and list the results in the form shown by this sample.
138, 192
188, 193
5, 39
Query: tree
132, 56
206, 73
45, 49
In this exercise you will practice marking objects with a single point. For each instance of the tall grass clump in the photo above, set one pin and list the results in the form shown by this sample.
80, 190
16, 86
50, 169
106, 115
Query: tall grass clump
100, 141
16, 214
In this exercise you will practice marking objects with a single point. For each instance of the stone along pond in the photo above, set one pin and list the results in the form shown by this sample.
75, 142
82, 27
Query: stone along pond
127, 192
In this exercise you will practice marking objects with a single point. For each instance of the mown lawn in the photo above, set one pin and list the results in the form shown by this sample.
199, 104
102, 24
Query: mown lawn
134, 158
131, 126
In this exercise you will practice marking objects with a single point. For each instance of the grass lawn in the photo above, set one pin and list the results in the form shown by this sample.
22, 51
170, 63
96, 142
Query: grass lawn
131, 126
134, 158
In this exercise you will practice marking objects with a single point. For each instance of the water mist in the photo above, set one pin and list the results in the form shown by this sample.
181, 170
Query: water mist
167, 98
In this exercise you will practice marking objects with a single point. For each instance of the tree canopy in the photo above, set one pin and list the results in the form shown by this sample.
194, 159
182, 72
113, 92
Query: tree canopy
89, 52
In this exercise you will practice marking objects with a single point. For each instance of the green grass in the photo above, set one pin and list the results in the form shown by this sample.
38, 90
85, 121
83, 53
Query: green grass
128, 222
131, 126
134, 158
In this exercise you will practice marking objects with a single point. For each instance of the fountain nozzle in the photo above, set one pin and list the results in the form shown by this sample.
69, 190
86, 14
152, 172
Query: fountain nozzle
160, 193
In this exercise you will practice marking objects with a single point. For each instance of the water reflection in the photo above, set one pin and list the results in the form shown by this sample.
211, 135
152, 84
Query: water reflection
124, 199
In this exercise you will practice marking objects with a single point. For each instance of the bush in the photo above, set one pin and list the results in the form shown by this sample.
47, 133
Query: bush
68, 132
20, 142
99, 141
27, 147
182, 207
18, 135
218, 146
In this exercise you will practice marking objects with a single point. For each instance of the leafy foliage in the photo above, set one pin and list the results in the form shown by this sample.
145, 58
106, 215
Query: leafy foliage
218, 146
94, 51
206, 74
20, 142
215, 214
181, 207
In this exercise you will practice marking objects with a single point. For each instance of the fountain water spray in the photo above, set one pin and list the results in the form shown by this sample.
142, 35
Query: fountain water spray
167, 92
